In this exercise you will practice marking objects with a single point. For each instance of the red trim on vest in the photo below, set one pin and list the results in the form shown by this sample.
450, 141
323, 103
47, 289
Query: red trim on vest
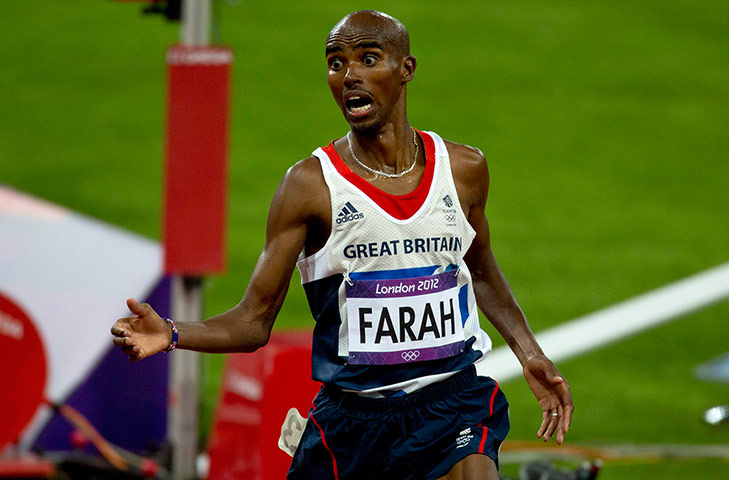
401, 207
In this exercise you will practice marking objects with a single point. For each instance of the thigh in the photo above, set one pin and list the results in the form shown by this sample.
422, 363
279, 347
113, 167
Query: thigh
473, 467
471, 444
343, 443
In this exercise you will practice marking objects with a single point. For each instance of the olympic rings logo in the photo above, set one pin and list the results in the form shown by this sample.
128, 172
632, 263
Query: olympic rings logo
410, 355
450, 218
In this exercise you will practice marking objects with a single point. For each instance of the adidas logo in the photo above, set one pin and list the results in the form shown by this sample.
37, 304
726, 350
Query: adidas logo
348, 214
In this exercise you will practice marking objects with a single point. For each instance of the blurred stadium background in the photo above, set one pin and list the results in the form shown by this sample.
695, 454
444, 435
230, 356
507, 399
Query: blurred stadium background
606, 126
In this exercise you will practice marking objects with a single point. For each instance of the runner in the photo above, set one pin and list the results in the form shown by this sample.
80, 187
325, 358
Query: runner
388, 230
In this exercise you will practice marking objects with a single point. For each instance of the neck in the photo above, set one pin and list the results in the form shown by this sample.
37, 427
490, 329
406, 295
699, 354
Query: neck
389, 149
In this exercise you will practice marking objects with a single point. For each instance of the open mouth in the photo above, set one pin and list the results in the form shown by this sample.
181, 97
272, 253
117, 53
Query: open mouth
357, 105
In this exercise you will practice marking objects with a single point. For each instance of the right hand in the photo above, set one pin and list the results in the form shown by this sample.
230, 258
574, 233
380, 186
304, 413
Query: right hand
553, 393
142, 334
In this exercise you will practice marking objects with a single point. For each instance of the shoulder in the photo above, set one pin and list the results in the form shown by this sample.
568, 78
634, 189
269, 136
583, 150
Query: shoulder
469, 160
470, 171
305, 177
303, 189
304, 173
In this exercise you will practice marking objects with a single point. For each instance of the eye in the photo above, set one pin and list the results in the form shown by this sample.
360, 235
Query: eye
335, 63
369, 60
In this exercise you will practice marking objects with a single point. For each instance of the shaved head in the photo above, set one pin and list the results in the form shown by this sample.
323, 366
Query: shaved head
370, 23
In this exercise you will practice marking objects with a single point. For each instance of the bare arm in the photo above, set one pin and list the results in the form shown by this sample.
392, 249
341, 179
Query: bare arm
497, 302
247, 326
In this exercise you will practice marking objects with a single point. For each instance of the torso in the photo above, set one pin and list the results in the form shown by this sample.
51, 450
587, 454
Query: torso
412, 241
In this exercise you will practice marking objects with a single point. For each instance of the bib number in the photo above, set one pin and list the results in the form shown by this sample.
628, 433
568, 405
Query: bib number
394, 321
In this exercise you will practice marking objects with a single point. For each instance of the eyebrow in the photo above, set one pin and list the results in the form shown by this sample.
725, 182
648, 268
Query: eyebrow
365, 45
333, 48
359, 46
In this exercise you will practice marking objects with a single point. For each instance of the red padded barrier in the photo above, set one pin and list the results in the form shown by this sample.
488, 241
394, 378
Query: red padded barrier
258, 390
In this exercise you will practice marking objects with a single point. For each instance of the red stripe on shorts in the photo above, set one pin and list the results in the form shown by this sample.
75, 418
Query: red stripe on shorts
483, 439
324, 441
491, 412
493, 397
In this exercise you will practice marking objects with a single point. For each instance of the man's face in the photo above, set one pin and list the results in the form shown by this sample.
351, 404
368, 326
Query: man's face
365, 77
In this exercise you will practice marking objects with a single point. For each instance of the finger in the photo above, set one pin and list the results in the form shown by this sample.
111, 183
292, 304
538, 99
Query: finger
549, 430
567, 405
138, 309
545, 423
559, 426
552, 426
567, 419
548, 420
119, 330
560, 433
126, 345
121, 341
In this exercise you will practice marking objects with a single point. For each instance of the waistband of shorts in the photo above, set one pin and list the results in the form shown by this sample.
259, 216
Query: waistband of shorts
424, 396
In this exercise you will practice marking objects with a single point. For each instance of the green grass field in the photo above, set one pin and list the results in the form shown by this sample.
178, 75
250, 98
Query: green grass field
606, 126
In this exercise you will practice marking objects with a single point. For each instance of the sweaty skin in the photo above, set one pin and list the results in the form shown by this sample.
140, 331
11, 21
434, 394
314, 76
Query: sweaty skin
369, 66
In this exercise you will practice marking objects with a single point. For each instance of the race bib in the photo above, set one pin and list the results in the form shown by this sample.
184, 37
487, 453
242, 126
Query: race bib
395, 321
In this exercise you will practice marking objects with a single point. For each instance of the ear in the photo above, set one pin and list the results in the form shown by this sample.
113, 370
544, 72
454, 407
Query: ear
408, 68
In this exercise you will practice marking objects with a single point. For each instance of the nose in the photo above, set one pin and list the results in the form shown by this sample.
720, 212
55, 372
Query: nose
352, 75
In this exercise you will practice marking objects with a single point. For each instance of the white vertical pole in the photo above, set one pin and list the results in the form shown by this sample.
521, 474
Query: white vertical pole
195, 22
187, 306
184, 382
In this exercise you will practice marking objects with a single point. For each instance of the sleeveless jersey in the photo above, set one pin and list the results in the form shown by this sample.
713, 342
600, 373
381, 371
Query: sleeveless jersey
390, 293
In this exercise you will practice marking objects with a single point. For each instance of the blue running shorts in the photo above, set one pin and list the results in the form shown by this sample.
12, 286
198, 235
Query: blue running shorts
419, 436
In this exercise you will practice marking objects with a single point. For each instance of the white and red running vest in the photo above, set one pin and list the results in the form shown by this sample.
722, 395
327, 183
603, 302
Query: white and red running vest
390, 292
